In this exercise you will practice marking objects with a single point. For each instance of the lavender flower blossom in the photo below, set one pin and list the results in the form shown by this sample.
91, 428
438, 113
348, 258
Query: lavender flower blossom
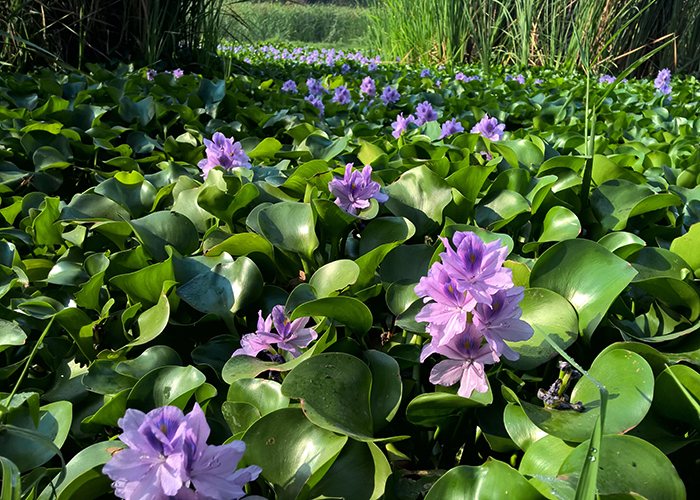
168, 452
425, 73
372, 67
222, 151
401, 123
342, 95
290, 86
317, 103
538, 80
465, 363
368, 87
315, 87
476, 266
355, 190
486, 155
460, 76
606, 79
344, 68
500, 321
450, 127
289, 336
663, 82
489, 128
389, 95
151, 75
178, 73
425, 113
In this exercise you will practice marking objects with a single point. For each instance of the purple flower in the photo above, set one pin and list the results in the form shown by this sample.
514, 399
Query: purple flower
447, 316
290, 86
606, 79
664, 76
465, 363
355, 190
438, 84
489, 128
390, 94
538, 80
372, 67
151, 74
315, 87
178, 73
168, 452
486, 155
342, 95
222, 151
460, 76
451, 127
501, 321
316, 102
425, 73
425, 113
400, 124
476, 267
290, 336
520, 78
368, 87
344, 68
665, 89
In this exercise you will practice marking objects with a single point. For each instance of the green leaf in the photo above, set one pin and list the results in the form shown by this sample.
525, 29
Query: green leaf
348, 311
560, 224
146, 285
548, 313
335, 393
290, 449
622, 244
168, 385
159, 229
131, 191
630, 381
289, 226
264, 395
686, 247
334, 277
10, 335
142, 111
587, 275
491, 481
359, 473
239, 416
545, 456
84, 478
432, 408
419, 195
387, 388
499, 208
677, 394
521, 430
627, 464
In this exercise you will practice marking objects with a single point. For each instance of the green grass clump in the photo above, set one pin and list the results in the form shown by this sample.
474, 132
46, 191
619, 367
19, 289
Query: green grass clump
327, 24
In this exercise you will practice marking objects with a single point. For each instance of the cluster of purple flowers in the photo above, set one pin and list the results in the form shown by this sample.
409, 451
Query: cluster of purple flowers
168, 453
223, 151
342, 95
401, 123
290, 86
470, 300
315, 87
520, 79
151, 74
299, 55
425, 113
450, 127
425, 73
663, 81
289, 336
390, 95
489, 128
355, 189
462, 77
368, 87
316, 102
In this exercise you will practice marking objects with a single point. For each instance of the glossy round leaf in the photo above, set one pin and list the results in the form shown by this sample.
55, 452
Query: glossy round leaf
166, 228
560, 224
334, 277
548, 313
289, 226
545, 456
348, 311
492, 481
387, 388
587, 275
290, 448
627, 464
265, 395
169, 385
335, 393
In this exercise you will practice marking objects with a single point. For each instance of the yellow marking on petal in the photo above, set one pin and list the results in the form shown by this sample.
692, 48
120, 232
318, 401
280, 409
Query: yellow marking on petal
466, 344
449, 287
353, 185
164, 428
495, 306
473, 258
